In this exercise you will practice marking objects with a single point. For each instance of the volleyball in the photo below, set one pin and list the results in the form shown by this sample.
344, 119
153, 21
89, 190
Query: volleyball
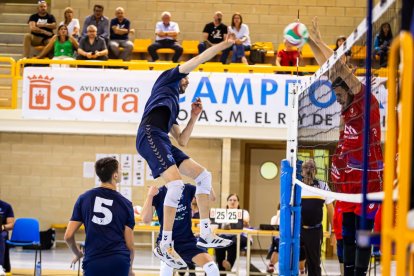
296, 34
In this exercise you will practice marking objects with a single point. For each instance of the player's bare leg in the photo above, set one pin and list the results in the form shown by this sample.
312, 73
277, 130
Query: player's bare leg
203, 180
165, 249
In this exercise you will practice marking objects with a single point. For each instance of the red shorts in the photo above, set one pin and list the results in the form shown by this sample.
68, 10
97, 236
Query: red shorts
353, 185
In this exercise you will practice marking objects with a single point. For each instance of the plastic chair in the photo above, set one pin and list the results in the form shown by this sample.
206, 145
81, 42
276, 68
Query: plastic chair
26, 232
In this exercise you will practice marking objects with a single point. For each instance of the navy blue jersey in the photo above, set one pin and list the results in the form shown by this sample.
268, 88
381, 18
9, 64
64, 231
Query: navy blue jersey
182, 223
6, 211
165, 92
105, 213
122, 25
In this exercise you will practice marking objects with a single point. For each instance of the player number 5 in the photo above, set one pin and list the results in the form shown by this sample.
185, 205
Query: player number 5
100, 209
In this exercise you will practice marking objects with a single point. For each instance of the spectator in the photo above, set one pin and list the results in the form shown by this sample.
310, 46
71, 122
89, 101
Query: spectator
64, 45
166, 37
382, 43
242, 44
71, 23
288, 56
312, 212
226, 263
214, 33
119, 29
7, 224
101, 23
274, 248
92, 46
41, 26
346, 58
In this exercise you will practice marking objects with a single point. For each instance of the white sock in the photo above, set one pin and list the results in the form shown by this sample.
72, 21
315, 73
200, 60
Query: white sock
205, 229
166, 270
211, 269
166, 237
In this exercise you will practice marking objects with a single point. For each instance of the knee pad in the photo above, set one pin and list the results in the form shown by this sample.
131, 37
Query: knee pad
203, 182
174, 191
211, 269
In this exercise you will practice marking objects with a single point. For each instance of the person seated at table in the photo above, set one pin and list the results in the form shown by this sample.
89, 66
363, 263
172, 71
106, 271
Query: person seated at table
183, 236
92, 46
274, 248
226, 263
63, 45
7, 224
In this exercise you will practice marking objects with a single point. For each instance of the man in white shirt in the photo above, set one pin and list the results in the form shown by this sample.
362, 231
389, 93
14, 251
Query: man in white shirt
166, 32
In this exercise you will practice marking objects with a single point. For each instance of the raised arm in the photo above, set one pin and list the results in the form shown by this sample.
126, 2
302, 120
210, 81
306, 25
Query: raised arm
182, 137
206, 55
322, 53
147, 210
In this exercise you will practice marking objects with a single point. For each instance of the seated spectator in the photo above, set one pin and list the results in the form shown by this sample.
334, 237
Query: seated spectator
166, 37
274, 248
119, 29
71, 23
214, 33
64, 45
99, 21
242, 43
92, 47
382, 43
41, 26
226, 262
347, 57
7, 224
288, 56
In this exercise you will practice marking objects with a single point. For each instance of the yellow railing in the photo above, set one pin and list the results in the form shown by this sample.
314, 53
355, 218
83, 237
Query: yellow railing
10, 66
395, 231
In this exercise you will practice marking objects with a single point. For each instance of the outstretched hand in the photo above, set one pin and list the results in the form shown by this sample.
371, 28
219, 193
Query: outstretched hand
152, 191
196, 107
314, 30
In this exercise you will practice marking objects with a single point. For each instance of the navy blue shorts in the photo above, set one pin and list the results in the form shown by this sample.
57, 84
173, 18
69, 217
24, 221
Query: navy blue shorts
108, 266
155, 146
188, 249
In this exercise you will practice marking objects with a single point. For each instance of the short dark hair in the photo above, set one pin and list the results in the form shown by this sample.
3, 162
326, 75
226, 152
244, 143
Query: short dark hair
105, 168
98, 6
339, 82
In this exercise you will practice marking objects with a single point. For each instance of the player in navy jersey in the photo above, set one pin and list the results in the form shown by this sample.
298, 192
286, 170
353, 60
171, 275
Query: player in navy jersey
185, 241
109, 222
167, 161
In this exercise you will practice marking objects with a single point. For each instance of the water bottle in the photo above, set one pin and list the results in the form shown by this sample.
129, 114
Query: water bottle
38, 270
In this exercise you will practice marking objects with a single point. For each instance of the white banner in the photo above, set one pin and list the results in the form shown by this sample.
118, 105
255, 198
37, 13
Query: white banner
252, 100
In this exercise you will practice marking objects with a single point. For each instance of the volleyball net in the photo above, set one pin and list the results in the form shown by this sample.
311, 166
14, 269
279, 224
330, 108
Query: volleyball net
338, 119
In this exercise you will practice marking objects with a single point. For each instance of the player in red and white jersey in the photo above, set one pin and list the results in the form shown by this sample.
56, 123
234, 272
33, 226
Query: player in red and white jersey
347, 163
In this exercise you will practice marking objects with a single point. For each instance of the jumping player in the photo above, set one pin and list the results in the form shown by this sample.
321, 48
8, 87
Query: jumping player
109, 222
185, 242
167, 161
348, 162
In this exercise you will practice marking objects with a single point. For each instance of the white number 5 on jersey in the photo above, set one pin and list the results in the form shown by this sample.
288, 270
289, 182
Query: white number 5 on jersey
100, 209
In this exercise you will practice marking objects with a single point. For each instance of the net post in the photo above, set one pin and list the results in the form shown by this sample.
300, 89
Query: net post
296, 209
285, 227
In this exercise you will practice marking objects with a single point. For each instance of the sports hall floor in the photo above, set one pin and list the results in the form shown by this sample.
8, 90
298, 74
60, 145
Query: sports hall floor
57, 262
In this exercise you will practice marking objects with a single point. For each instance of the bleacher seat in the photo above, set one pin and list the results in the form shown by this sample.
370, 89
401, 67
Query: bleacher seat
141, 45
190, 47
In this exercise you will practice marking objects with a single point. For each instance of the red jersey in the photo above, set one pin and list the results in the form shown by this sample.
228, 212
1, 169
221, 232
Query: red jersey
337, 220
352, 144
288, 58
